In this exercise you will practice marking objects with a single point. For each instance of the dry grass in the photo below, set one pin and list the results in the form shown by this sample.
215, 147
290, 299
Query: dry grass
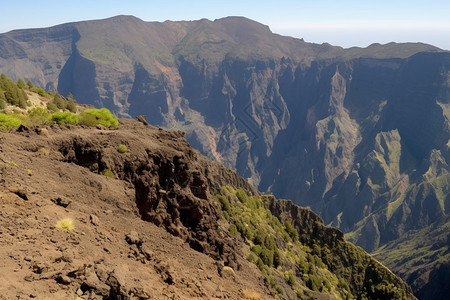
228, 272
65, 224
43, 151
251, 295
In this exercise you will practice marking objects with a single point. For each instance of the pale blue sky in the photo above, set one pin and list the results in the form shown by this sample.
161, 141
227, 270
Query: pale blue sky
344, 23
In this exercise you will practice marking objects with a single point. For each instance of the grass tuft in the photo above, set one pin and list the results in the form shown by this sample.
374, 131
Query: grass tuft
108, 173
122, 148
251, 295
65, 224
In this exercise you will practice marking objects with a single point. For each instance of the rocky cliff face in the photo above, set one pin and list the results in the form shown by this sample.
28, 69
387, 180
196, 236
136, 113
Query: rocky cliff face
359, 135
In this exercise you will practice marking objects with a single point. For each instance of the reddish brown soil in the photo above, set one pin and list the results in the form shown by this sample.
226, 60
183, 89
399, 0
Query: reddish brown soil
115, 250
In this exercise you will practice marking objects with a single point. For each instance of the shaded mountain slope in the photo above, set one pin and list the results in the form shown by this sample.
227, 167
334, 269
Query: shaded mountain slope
427, 266
152, 231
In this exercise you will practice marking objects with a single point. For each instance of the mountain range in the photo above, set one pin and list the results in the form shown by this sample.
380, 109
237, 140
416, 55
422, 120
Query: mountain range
359, 135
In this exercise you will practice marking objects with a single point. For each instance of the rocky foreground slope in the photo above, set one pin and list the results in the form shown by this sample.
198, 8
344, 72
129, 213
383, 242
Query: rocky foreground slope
146, 225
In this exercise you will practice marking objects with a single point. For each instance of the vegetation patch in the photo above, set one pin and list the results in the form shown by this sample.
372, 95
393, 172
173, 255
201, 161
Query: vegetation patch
9, 121
11, 93
108, 173
92, 117
122, 148
65, 224
58, 109
251, 295
302, 263
64, 118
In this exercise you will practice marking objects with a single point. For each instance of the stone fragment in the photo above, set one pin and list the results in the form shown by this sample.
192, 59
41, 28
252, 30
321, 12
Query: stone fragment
133, 238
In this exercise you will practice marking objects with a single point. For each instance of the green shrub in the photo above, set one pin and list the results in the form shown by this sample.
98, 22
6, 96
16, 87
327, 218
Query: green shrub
314, 283
21, 84
303, 266
289, 277
251, 257
264, 254
12, 93
51, 106
274, 284
259, 237
260, 264
64, 118
40, 91
291, 231
38, 116
71, 105
244, 230
59, 101
224, 203
108, 173
233, 229
38, 111
103, 116
122, 148
241, 195
9, 121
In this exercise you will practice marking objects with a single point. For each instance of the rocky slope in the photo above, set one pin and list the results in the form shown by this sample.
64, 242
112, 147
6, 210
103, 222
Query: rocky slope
359, 135
153, 231
422, 258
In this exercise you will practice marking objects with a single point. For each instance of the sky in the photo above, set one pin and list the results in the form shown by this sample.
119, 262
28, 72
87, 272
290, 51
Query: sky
343, 23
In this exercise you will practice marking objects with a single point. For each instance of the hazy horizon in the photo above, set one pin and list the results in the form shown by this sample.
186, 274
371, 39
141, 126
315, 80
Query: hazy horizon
346, 23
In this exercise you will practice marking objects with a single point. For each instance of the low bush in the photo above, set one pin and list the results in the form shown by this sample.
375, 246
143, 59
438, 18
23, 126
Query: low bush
71, 105
64, 118
40, 92
9, 121
291, 231
289, 277
108, 173
251, 295
65, 224
51, 106
233, 230
122, 148
2, 102
38, 116
228, 272
92, 117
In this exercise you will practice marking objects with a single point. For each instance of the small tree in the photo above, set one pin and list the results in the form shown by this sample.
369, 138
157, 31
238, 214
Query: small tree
59, 101
51, 106
70, 105
21, 84
2, 100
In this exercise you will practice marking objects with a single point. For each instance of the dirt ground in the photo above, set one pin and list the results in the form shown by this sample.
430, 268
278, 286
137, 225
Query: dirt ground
111, 253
